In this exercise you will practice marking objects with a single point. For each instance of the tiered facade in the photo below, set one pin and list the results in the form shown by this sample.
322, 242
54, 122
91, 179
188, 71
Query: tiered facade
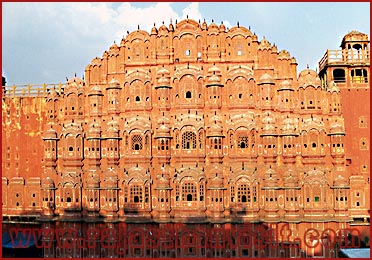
190, 122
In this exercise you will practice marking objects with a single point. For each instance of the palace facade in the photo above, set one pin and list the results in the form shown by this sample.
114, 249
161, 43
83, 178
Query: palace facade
194, 123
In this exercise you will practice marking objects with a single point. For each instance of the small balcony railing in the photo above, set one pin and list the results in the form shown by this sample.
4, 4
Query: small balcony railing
31, 90
344, 56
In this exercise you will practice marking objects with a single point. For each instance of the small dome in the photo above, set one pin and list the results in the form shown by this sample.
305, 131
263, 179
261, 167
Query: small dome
270, 178
48, 183
113, 126
75, 80
266, 79
163, 77
307, 78
214, 70
163, 29
215, 130
222, 27
163, 72
354, 36
50, 133
337, 127
93, 181
288, 126
214, 80
204, 25
214, 76
94, 129
213, 27
114, 83
95, 90
52, 95
216, 182
268, 124
264, 44
285, 85
114, 47
74, 85
163, 130
163, 120
283, 54
154, 31
340, 181
333, 87
290, 179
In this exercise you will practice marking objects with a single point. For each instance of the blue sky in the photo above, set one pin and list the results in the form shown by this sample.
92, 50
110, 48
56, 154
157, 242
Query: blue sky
47, 42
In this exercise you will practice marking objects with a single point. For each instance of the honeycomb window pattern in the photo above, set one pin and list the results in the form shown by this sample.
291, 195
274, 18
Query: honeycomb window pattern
136, 193
137, 142
189, 140
244, 193
189, 192
243, 141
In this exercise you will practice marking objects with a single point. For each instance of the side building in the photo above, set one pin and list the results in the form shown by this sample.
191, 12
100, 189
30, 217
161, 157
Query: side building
349, 67
188, 123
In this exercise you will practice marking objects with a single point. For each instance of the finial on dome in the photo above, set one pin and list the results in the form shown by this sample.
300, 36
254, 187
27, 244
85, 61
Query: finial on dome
238, 23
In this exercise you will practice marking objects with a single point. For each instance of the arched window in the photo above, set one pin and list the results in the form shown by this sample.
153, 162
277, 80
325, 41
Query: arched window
339, 75
243, 141
189, 140
188, 94
136, 193
189, 192
244, 194
136, 142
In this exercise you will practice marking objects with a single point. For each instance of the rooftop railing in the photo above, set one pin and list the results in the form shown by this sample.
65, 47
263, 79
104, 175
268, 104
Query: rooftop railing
344, 56
32, 90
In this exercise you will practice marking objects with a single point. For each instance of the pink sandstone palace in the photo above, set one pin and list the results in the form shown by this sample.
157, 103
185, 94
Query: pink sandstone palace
194, 123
